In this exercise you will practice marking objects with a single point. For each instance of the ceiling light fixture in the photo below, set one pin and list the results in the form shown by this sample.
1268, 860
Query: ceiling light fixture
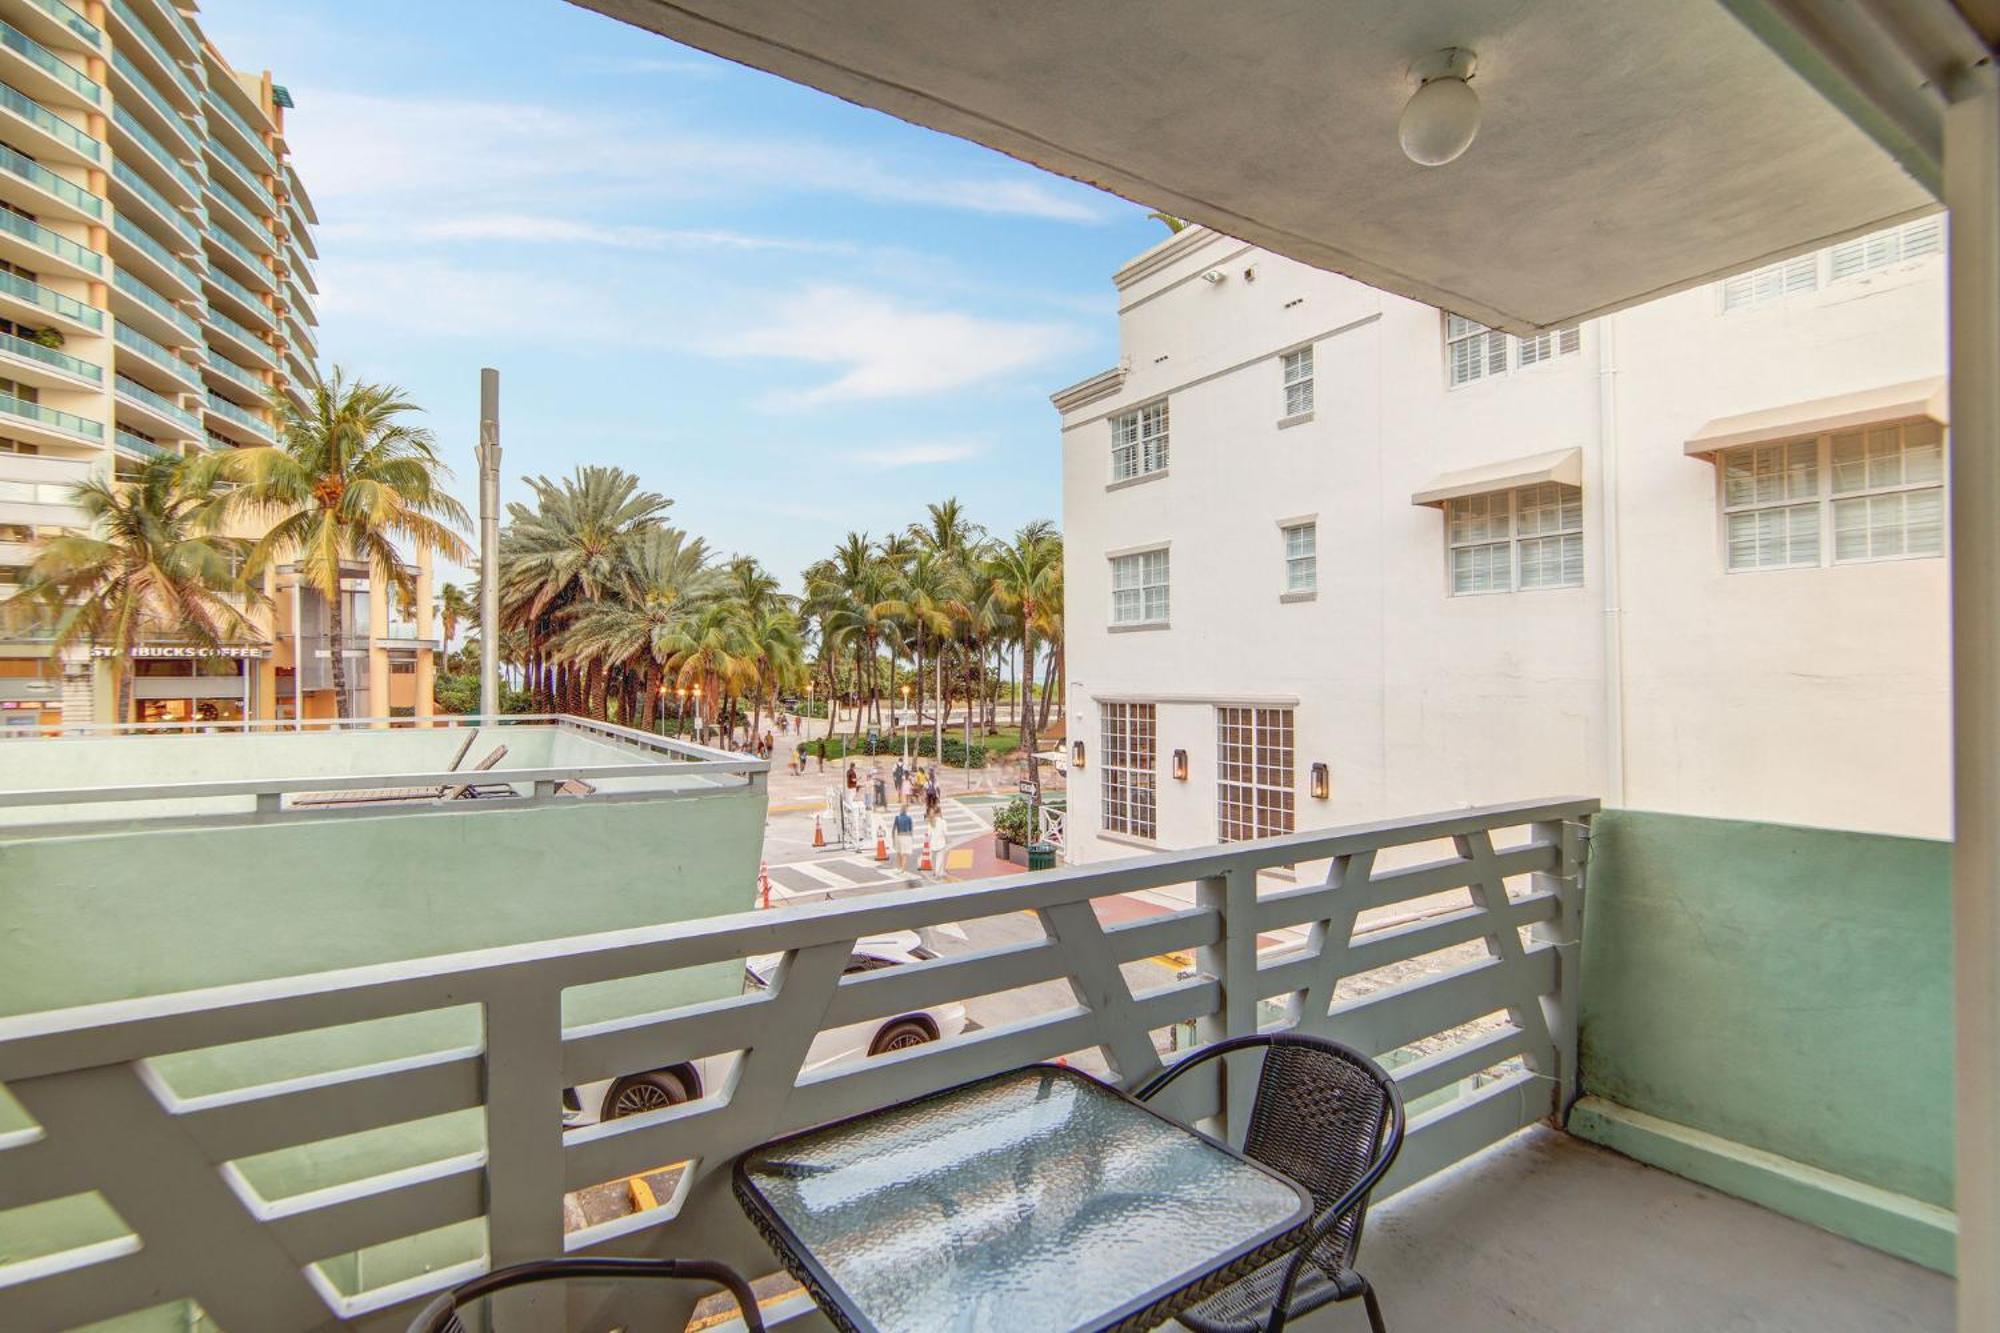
1442, 117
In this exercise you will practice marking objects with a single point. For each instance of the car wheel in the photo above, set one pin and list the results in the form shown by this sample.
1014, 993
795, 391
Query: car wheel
644, 1092
901, 1035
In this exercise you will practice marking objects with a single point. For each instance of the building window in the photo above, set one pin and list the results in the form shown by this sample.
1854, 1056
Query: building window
1139, 442
400, 667
1298, 381
1865, 254
1254, 794
1875, 494
1302, 557
1527, 538
1139, 588
1128, 764
1768, 284
1473, 351
1549, 344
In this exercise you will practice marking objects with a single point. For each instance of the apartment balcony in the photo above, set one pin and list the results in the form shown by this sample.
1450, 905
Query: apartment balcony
298, 335
239, 424
56, 24
248, 229
235, 340
142, 148
1457, 948
27, 362
240, 261
32, 303
136, 40
299, 303
159, 318
41, 249
235, 127
39, 72
150, 362
27, 184
241, 379
167, 25
35, 489
30, 125
138, 447
153, 413
226, 167
136, 249
240, 302
38, 424
134, 89
137, 198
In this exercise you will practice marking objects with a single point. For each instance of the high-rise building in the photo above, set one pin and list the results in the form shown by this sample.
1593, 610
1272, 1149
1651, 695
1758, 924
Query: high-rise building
1335, 556
156, 288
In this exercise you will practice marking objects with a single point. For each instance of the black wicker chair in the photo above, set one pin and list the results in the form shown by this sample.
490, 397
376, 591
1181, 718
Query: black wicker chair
1332, 1119
441, 1315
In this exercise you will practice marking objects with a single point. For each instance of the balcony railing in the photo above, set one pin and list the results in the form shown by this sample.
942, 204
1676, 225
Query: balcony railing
28, 109
142, 187
243, 174
131, 232
174, 119
51, 64
49, 416
241, 416
130, 388
13, 284
159, 52
49, 356
124, 282
109, 1124
135, 446
223, 240
161, 154
241, 376
156, 354
216, 103
35, 234
69, 18
241, 333
235, 206
241, 293
36, 174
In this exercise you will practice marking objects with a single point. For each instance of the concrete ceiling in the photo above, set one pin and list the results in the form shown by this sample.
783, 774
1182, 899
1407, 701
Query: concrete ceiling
1628, 149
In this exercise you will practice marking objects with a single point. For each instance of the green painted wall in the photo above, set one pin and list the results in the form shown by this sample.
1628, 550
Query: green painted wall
1787, 989
113, 915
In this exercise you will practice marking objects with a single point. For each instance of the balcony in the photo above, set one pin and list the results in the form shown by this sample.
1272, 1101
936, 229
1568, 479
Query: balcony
46, 305
42, 74
52, 137
139, 447
154, 412
239, 423
30, 362
135, 248
299, 336
247, 141
28, 243
228, 168
133, 34
234, 339
28, 184
148, 149
158, 317
137, 352
1456, 947
242, 299
58, 23
134, 89
127, 185
178, 34
35, 422
240, 378
227, 209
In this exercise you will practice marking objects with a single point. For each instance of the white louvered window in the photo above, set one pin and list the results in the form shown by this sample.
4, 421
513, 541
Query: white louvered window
1472, 351
1129, 769
1530, 537
1139, 588
1550, 344
1298, 381
1865, 254
1302, 557
1888, 492
1255, 796
1139, 442
1875, 494
1770, 283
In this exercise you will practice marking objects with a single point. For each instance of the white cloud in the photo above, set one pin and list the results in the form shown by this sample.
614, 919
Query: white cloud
920, 455
886, 348
536, 229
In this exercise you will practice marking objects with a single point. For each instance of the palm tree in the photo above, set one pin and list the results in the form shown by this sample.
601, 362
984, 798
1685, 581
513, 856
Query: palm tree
1026, 575
147, 567
348, 481
776, 646
667, 577
454, 609
714, 654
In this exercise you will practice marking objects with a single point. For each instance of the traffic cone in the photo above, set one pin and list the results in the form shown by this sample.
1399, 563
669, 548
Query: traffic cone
881, 845
925, 864
764, 880
819, 833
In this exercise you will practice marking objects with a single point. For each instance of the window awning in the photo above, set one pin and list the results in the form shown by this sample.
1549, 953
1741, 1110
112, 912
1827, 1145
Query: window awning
1843, 411
1564, 465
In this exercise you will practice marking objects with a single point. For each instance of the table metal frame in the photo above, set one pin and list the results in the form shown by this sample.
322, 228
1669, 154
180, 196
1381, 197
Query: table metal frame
1145, 1311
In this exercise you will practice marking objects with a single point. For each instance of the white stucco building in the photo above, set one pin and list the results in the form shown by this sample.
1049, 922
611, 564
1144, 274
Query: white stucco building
1688, 556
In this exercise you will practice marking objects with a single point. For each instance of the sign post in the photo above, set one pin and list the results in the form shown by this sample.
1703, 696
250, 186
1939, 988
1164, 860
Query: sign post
489, 542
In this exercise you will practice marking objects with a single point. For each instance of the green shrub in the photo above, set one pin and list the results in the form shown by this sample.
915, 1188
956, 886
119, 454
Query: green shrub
1011, 822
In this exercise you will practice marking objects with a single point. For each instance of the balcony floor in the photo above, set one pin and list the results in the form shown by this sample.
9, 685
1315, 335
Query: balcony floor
1545, 1232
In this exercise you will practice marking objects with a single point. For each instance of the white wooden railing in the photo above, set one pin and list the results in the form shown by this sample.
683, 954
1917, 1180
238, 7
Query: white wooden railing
107, 1122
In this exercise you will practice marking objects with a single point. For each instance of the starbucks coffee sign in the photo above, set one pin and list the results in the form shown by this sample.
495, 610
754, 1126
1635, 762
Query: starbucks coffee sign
179, 650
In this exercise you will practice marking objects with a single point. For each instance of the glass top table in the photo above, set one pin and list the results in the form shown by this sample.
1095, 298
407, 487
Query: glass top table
1034, 1199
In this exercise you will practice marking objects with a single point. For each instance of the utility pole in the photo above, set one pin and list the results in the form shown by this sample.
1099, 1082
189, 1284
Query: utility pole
489, 543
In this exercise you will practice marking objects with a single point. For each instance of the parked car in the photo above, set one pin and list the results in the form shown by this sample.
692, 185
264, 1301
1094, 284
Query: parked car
656, 1089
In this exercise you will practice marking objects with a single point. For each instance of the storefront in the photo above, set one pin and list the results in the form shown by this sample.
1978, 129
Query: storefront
194, 684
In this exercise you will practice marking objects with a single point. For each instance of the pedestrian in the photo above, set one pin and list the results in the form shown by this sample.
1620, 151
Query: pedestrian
822, 759
853, 775
770, 745
917, 784
933, 804
881, 791
902, 777
934, 834
902, 830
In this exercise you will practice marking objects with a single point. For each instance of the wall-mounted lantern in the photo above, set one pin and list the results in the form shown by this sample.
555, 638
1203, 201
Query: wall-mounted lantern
1322, 782
1076, 754
1180, 765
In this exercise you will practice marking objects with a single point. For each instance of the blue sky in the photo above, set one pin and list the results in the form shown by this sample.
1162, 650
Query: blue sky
792, 315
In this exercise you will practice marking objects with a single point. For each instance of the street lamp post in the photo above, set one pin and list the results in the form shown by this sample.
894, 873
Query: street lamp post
681, 713
697, 713
901, 726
